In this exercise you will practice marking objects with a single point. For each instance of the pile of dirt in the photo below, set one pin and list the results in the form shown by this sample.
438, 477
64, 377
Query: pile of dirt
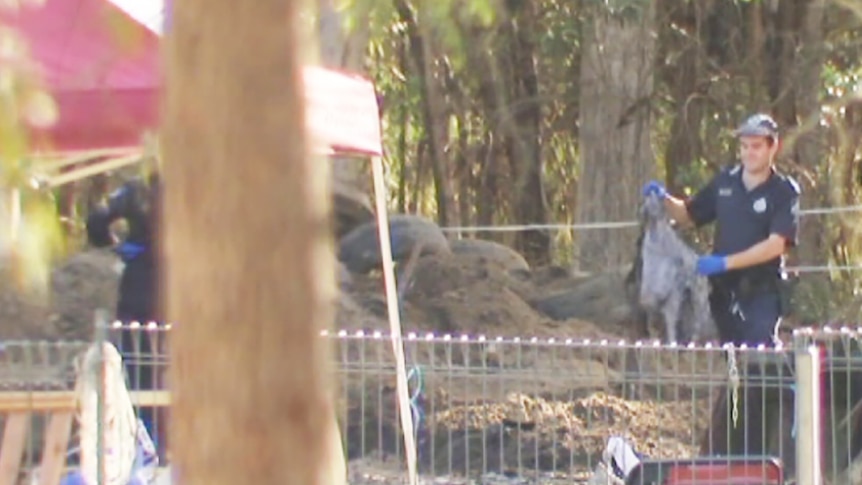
22, 315
465, 293
535, 433
451, 293
583, 425
467, 286
445, 293
79, 285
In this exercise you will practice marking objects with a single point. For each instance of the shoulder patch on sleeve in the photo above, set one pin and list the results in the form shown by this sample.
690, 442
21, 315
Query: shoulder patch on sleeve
793, 184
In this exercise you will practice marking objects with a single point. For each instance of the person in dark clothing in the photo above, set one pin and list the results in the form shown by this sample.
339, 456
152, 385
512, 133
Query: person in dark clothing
138, 202
756, 211
138, 289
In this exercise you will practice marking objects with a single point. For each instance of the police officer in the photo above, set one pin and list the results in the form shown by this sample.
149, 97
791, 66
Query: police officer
138, 202
135, 202
755, 209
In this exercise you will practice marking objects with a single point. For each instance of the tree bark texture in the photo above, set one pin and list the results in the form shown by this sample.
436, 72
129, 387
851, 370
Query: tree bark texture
683, 77
434, 115
531, 201
616, 155
249, 262
810, 147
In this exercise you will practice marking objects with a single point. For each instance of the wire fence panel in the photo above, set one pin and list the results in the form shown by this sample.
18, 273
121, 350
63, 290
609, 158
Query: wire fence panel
36, 406
503, 410
841, 390
545, 410
145, 353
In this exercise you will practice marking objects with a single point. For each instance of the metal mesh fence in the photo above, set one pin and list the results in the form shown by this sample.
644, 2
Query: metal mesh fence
509, 410
841, 401
545, 410
37, 407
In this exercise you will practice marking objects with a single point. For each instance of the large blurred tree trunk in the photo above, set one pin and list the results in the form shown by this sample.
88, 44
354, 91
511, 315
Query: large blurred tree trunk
616, 156
249, 262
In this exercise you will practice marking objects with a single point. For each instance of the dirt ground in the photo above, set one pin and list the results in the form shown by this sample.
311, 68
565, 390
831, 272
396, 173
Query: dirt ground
80, 285
468, 294
446, 293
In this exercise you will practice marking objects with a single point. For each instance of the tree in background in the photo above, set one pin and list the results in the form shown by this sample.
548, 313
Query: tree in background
616, 85
551, 112
30, 235
343, 50
247, 249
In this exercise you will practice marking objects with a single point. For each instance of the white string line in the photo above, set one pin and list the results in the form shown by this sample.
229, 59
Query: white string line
823, 268
615, 225
541, 227
832, 210
624, 224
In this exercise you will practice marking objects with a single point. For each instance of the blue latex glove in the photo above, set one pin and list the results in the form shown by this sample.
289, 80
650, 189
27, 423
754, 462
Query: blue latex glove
710, 265
128, 251
654, 187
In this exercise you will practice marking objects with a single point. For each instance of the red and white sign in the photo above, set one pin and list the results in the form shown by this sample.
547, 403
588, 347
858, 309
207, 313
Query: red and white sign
342, 111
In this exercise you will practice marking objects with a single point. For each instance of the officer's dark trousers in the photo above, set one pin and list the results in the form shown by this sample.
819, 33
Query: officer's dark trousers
142, 351
753, 320
765, 410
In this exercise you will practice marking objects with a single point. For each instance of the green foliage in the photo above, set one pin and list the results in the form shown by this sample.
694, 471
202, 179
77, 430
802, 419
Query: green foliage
39, 241
378, 17
629, 10
473, 56
30, 233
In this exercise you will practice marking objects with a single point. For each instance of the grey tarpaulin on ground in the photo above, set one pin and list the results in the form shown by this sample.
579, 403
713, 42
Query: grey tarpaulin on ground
670, 286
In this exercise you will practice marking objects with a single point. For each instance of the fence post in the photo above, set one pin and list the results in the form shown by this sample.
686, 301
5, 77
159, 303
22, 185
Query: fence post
808, 436
101, 336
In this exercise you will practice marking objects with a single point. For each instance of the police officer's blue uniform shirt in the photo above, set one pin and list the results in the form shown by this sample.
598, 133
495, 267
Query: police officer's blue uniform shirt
744, 218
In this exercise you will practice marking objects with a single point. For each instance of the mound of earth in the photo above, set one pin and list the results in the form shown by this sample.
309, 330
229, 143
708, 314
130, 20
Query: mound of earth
80, 285
466, 293
449, 292
22, 315
534, 433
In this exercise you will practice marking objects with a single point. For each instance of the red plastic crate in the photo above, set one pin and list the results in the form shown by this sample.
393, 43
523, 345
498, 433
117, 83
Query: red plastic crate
709, 471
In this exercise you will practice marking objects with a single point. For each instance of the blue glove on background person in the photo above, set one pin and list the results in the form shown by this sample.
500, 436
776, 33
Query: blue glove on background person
654, 187
711, 264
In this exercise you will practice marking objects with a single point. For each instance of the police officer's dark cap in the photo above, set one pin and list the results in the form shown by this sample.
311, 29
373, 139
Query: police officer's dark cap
758, 125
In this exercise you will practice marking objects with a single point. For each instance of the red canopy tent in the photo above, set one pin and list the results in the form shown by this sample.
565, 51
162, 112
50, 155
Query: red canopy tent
107, 90
107, 97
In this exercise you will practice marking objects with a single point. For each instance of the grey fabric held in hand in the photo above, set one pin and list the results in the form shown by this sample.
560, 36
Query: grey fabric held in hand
670, 285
